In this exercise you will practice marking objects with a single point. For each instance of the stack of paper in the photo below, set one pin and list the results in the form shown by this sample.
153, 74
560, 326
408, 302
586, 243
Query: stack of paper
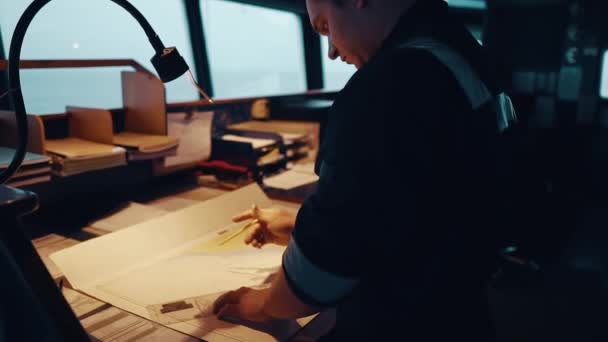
35, 168
297, 142
267, 149
297, 145
178, 258
287, 129
256, 143
271, 157
146, 146
298, 137
73, 155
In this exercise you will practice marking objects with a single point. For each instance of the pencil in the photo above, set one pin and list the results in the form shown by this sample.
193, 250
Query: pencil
242, 229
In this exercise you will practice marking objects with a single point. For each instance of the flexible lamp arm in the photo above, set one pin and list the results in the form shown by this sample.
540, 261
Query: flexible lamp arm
157, 44
167, 62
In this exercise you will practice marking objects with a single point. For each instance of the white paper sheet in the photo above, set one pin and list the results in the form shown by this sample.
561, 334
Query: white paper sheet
194, 133
177, 256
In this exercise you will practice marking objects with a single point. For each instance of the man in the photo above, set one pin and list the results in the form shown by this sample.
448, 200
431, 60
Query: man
398, 236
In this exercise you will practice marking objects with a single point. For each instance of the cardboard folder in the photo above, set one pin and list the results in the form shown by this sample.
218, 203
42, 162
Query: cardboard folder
145, 142
145, 121
89, 144
76, 148
143, 99
97, 125
9, 133
91, 124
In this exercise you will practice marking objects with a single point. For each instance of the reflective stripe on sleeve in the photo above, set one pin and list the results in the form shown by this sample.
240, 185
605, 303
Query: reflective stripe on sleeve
312, 284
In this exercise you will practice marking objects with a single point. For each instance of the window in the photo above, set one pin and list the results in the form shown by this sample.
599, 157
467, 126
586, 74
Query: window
94, 29
604, 82
335, 73
252, 50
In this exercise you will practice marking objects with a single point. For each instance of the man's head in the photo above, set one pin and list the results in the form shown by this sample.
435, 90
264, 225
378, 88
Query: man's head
355, 28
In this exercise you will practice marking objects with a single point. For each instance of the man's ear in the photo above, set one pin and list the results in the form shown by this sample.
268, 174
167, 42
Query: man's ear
362, 3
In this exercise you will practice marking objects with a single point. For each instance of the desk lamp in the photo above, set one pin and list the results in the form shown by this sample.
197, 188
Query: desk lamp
15, 203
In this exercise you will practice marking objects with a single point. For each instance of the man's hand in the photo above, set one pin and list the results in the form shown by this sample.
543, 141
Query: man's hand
243, 304
274, 226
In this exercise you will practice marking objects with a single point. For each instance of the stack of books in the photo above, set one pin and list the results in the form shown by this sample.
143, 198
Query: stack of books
35, 168
266, 150
146, 146
298, 138
241, 158
72, 156
297, 145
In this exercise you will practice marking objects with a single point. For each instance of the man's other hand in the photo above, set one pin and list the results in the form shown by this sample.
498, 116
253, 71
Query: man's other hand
243, 304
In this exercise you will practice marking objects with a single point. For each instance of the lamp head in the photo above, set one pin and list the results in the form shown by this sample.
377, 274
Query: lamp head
169, 64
